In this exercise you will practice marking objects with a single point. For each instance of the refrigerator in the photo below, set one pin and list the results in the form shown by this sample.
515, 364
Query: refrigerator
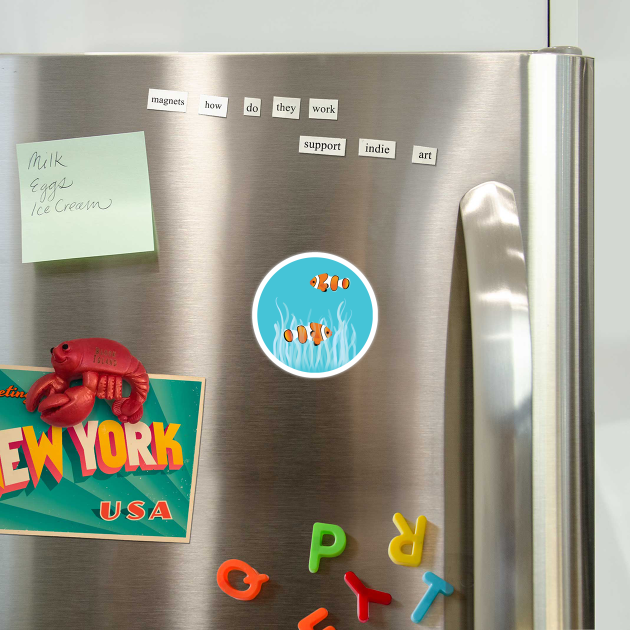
456, 191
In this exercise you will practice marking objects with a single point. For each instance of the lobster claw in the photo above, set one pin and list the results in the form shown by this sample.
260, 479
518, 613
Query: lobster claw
68, 408
43, 386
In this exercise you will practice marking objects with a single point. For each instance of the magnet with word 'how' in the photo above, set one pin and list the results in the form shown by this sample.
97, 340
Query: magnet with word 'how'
319, 550
309, 623
407, 537
365, 595
436, 586
252, 577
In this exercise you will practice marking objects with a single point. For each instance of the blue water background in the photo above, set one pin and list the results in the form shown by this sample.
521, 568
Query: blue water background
289, 300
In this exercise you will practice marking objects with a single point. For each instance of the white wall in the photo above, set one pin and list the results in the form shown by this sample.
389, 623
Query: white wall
604, 27
270, 25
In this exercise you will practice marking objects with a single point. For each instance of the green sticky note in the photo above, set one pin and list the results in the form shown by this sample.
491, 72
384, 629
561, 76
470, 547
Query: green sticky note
85, 197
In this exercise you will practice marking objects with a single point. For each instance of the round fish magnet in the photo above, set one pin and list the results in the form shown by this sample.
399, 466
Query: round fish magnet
315, 315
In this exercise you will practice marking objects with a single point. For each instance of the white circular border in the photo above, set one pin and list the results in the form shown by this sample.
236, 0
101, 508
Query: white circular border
277, 361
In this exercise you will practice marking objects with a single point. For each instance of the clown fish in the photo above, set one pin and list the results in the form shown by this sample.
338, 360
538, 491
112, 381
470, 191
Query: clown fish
323, 282
317, 333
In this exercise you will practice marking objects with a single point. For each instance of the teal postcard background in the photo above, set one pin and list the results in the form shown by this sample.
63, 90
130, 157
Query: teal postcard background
72, 505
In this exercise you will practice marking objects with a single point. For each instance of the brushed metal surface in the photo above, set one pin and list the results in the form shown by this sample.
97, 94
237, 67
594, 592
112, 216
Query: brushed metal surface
232, 197
559, 254
502, 369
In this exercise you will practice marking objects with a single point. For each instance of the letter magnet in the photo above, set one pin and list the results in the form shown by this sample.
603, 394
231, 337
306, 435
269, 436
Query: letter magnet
309, 623
407, 537
319, 551
252, 577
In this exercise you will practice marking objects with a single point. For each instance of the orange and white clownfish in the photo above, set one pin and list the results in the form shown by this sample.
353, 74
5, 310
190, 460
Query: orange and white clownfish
317, 333
323, 282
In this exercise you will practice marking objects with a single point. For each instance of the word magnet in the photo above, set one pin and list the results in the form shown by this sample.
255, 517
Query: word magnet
322, 146
377, 148
319, 551
407, 537
285, 107
251, 106
323, 108
424, 155
252, 577
213, 106
167, 100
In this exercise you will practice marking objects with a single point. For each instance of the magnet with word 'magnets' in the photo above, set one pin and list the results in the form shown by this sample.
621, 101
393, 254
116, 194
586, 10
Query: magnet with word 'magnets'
407, 537
319, 551
309, 623
252, 577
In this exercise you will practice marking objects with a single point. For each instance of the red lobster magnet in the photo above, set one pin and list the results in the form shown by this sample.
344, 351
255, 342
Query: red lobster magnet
102, 364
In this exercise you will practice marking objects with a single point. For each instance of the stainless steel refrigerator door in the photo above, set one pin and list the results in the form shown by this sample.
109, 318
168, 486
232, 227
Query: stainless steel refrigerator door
232, 198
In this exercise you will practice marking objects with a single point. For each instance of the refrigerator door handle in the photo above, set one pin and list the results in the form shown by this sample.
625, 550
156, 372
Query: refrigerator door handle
502, 374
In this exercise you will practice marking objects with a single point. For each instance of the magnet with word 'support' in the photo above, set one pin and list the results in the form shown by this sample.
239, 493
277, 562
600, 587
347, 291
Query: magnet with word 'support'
407, 537
252, 577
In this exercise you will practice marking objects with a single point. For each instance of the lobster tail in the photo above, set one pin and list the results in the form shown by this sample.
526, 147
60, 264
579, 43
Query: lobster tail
139, 381
130, 409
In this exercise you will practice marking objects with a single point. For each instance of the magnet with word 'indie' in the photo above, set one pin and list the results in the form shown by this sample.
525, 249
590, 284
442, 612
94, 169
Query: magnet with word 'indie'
102, 364
436, 586
252, 577
309, 623
365, 595
407, 537
319, 550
